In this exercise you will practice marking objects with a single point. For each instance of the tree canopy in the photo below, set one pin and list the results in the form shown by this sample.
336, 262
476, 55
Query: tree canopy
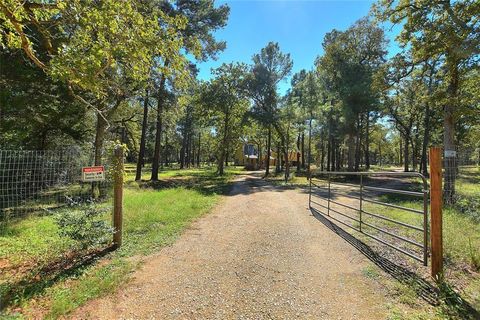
86, 72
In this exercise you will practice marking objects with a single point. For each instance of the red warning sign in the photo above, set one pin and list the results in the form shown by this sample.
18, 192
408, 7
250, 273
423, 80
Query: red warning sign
96, 173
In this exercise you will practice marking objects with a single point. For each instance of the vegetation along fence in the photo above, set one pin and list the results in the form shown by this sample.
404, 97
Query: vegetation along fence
37, 182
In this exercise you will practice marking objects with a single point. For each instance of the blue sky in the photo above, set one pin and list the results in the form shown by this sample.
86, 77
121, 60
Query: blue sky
298, 26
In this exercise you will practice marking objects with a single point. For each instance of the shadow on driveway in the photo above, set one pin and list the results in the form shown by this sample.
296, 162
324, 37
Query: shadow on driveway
424, 289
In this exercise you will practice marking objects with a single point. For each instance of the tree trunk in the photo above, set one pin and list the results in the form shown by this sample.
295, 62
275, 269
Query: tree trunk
358, 145
259, 160
220, 162
414, 155
182, 151
367, 142
298, 152
223, 156
330, 139
322, 149
158, 132
340, 158
449, 147
163, 151
309, 160
426, 124
166, 150
192, 148
415, 143
100, 131
287, 165
141, 153
269, 144
279, 159
199, 149
329, 152
426, 140
401, 150
187, 149
303, 150
405, 154
334, 156
351, 152
379, 154
449, 136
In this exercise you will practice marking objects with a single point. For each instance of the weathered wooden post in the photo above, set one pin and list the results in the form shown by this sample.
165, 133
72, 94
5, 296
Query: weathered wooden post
117, 195
436, 211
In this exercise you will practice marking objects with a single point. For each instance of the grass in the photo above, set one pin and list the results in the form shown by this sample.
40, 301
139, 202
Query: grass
295, 179
32, 239
404, 302
461, 240
468, 183
459, 293
155, 214
461, 231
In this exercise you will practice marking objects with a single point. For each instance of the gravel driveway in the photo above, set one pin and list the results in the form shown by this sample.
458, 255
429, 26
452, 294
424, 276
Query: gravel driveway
259, 255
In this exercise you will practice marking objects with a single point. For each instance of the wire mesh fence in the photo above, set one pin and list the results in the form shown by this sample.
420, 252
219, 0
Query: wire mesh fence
37, 182
461, 181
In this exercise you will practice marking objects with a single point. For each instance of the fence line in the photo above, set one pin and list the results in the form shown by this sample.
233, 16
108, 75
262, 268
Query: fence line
456, 166
37, 181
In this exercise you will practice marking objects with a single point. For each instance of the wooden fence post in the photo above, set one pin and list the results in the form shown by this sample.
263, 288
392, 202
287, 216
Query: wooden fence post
436, 211
117, 195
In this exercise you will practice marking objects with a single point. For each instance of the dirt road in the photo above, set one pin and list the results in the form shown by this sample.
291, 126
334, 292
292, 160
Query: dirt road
259, 255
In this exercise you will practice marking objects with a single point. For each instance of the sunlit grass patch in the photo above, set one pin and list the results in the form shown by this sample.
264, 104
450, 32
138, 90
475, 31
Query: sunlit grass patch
154, 216
461, 242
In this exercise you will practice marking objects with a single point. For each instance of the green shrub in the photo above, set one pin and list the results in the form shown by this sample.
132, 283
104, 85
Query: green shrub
85, 225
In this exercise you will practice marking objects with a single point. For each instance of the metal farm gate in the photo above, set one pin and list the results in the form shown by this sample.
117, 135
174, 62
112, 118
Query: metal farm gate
378, 205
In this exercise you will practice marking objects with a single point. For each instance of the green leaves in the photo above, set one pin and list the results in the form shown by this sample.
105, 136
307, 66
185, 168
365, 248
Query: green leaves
225, 100
435, 27
349, 66
270, 66
86, 226
95, 43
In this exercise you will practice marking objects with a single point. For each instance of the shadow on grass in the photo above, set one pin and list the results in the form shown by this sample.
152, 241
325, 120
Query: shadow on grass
37, 281
204, 181
470, 176
204, 184
455, 305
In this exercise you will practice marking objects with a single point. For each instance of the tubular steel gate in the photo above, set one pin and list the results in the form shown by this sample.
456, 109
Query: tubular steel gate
365, 196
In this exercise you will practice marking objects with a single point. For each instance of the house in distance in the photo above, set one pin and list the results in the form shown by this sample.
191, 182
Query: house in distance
249, 156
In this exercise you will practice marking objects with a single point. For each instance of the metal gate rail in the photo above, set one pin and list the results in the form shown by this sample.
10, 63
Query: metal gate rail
362, 198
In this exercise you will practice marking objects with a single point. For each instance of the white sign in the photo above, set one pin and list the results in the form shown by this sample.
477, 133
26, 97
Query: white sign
90, 174
450, 153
